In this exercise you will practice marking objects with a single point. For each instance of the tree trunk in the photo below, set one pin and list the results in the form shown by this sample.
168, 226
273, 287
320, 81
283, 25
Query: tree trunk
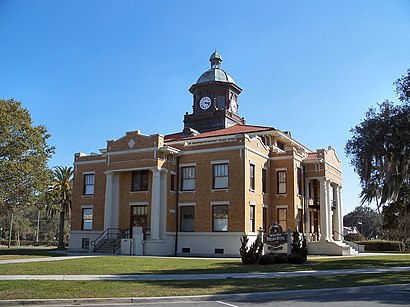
61, 230
11, 229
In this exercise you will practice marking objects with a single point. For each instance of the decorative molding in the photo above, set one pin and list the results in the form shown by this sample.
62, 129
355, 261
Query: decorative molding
190, 204
220, 202
138, 203
90, 162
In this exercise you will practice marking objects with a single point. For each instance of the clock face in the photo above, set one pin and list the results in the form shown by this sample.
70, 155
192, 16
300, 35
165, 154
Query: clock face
234, 106
205, 103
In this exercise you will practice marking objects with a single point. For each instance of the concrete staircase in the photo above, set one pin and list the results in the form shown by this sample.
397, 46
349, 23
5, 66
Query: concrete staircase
332, 248
106, 246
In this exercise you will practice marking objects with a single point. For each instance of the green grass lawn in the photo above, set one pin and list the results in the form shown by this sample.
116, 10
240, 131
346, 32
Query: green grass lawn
24, 253
24, 289
157, 265
37, 289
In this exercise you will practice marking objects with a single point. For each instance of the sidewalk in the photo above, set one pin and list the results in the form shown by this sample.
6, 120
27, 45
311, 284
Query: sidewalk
44, 259
170, 277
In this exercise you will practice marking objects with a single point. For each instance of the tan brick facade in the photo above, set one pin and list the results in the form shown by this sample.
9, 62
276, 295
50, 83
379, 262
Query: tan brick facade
262, 170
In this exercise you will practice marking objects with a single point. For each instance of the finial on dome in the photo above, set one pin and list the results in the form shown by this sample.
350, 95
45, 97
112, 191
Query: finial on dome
215, 59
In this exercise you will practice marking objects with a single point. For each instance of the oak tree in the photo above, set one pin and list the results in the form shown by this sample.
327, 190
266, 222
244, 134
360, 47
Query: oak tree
24, 153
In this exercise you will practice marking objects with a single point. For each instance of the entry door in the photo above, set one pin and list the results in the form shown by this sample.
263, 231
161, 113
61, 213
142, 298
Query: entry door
316, 224
138, 217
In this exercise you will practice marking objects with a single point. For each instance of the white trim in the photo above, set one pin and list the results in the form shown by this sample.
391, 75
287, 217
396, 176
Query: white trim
191, 204
282, 158
87, 206
89, 162
129, 151
220, 202
265, 206
138, 203
281, 169
89, 173
199, 151
187, 164
207, 139
252, 203
281, 206
257, 153
220, 162
149, 168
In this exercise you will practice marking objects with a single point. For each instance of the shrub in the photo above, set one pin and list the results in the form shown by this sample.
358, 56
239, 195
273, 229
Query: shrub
296, 259
299, 247
382, 245
353, 237
267, 259
281, 258
250, 255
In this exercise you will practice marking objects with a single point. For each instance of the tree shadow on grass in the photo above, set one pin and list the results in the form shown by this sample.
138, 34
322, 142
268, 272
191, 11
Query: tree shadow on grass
48, 252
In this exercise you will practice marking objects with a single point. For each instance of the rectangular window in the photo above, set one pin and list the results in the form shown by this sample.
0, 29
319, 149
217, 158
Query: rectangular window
300, 220
282, 214
138, 216
85, 243
220, 176
188, 178
220, 217
139, 181
264, 184
172, 182
187, 218
265, 219
89, 184
221, 102
87, 217
252, 176
300, 191
252, 218
281, 182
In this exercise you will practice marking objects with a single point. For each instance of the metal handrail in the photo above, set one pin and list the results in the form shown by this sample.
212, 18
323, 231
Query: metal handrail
343, 237
116, 244
102, 237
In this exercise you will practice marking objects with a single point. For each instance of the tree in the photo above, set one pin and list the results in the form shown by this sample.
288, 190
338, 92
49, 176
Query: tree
61, 195
24, 153
403, 87
368, 221
396, 216
380, 148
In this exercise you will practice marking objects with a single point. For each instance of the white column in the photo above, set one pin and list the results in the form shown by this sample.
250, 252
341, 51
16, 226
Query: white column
336, 213
324, 236
339, 226
115, 220
329, 212
307, 210
108, 201
163, 206
155, 204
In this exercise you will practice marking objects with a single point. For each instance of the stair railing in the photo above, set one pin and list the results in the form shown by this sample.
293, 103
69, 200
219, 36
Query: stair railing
109, 233
116, 244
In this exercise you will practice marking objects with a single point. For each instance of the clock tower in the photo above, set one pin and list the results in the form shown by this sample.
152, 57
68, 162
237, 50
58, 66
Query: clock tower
215, 100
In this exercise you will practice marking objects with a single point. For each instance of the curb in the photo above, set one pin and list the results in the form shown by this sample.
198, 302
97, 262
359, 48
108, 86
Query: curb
254, 296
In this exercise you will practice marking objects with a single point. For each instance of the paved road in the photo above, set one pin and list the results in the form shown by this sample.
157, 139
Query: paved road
386, 295
165, 277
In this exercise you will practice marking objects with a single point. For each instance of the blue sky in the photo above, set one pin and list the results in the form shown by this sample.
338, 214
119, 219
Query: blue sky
91, 70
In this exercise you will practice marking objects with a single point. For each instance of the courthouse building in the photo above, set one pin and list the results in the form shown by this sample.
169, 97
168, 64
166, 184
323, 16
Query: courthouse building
197, 191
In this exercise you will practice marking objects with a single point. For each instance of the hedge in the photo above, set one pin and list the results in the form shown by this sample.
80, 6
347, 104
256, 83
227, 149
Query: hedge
382, 245
28, 243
